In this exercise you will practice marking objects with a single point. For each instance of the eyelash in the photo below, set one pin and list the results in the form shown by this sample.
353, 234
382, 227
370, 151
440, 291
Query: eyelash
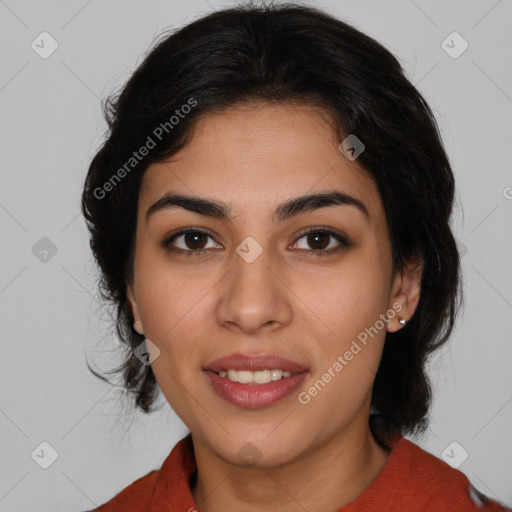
344, 241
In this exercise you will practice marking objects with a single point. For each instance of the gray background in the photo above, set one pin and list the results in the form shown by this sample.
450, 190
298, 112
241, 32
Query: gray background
51, 316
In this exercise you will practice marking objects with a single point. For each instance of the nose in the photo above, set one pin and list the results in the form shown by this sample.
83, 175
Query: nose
254, 296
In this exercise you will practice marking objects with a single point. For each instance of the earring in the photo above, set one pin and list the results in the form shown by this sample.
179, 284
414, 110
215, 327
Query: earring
402, 321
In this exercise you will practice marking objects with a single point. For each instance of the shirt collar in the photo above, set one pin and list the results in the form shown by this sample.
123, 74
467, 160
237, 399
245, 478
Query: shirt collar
173, 486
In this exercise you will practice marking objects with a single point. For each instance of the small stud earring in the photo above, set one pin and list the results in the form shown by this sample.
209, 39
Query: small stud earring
402, 321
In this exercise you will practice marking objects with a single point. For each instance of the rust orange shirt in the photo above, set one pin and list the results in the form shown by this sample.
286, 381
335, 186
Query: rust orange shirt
412, 480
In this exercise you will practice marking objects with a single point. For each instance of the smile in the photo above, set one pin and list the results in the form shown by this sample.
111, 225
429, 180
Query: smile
254, 381
258, 377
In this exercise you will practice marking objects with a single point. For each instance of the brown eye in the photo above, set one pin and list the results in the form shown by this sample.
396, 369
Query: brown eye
189, 241
318, 240
194, 240
323, 241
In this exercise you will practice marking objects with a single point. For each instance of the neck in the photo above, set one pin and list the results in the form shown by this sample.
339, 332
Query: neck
328, 477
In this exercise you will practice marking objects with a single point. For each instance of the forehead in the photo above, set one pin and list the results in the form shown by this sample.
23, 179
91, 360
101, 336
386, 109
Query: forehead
255, 156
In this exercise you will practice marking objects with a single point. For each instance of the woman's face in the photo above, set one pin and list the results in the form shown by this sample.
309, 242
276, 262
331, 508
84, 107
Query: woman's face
263, 286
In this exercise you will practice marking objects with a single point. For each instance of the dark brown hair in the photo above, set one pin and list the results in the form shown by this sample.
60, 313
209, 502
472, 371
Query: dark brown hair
281, 53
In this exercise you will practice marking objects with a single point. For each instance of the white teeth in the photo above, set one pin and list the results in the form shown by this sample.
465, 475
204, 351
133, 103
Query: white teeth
262, 376
244, 377
276, 374
257, 377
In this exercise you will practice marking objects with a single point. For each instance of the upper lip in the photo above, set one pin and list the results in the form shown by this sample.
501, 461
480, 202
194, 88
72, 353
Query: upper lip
254, 363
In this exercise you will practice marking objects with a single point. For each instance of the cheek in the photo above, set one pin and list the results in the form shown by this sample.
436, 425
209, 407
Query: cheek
348, 358
167, 297
350, 303
174, 306
172, 317
172, 309
352, 297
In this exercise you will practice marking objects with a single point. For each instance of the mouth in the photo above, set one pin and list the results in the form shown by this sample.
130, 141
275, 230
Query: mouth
254, 381
257, 377
262, 362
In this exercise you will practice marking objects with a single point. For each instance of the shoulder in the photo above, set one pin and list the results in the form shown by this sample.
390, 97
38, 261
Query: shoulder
134, 496
158, 488
433, 483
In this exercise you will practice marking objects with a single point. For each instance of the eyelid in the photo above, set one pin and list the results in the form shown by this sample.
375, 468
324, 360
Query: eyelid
343, 240
340, 237
166, 242
324, 229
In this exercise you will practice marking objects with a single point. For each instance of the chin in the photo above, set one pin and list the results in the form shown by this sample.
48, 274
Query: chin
261, 449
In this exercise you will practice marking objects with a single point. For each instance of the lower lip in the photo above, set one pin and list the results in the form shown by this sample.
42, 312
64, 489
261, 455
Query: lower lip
255, 396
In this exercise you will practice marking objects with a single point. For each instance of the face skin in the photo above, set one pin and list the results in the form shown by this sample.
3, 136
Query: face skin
315, 456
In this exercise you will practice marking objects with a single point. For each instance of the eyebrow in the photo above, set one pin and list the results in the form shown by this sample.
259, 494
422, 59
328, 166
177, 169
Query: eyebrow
290, 208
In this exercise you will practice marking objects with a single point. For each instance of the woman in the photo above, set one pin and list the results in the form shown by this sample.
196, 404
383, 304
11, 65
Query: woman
270, 213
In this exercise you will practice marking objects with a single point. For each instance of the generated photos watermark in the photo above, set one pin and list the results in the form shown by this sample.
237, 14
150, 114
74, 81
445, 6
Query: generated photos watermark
342, 361
150, 143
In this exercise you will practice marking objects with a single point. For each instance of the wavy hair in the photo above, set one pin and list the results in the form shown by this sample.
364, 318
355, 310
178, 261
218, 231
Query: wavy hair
287, 53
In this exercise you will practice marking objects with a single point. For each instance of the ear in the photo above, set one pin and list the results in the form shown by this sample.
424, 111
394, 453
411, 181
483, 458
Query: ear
405, 294
137, 322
